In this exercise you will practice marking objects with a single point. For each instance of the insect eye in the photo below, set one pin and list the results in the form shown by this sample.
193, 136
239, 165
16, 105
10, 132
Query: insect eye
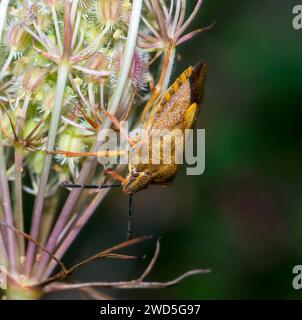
135, 174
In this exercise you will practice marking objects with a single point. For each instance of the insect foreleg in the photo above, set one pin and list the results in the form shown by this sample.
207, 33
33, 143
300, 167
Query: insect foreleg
103, 153
117, 124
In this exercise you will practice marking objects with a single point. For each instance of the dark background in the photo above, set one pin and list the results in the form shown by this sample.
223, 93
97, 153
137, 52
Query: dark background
242, 218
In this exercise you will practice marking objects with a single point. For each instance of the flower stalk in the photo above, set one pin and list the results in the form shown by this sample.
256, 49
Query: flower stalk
19, 158
63, 70
7, 209
3, 13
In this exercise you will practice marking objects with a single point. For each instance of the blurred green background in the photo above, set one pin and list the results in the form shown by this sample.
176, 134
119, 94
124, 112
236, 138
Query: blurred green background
243, 217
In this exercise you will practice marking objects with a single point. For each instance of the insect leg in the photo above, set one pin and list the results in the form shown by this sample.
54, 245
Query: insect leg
104, 153
116, 176
117, 124
130, 218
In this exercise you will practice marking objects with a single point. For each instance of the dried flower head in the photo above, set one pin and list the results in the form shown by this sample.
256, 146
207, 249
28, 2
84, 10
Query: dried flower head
139, 72
33, 79
17, 37
109, 13
45, 7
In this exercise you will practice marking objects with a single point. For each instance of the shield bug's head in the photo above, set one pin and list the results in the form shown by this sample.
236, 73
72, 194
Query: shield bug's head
136, 180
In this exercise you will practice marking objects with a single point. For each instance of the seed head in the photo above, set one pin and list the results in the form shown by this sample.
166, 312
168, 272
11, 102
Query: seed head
45, 6
98, 62
139, 73
17, 37
110, 12
32, 79
70, 140
46, 98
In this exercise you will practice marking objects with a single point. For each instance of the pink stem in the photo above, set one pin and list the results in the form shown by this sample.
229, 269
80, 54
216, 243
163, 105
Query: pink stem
76, 229
190, 20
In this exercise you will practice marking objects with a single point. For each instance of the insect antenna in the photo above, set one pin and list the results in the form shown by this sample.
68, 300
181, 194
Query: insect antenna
109, 186
91, 186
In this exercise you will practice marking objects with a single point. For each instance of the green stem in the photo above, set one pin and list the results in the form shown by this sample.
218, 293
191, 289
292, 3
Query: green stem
7, 63
63, 71
19, 219
50, 210
7, 209
19, 157
3, 251
3, 12
57, 28
169, 71
127, 58
74, 11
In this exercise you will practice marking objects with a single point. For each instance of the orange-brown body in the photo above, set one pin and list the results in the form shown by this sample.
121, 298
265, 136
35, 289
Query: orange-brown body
177, 109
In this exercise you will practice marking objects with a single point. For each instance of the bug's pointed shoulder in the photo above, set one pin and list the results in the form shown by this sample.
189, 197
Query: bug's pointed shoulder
197, 81
200, 67
199, 70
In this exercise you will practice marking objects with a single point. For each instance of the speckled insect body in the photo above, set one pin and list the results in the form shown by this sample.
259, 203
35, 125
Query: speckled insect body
178, 109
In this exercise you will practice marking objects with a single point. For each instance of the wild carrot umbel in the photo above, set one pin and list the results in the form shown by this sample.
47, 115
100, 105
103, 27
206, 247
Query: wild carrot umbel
69, 70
